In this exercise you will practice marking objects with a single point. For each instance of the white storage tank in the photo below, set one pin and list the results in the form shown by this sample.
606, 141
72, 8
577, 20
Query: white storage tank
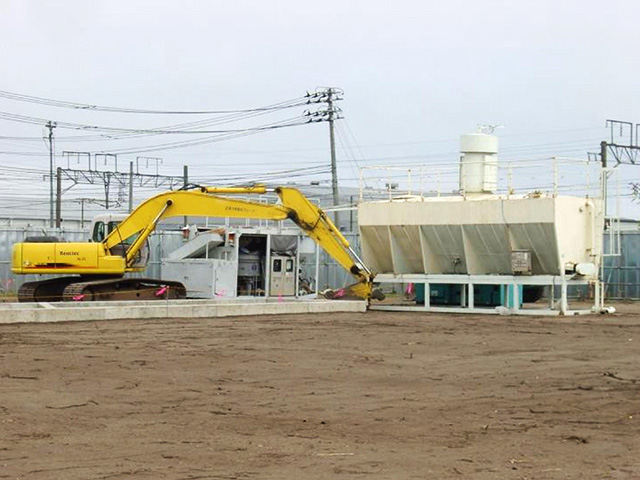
479, 235
478, 163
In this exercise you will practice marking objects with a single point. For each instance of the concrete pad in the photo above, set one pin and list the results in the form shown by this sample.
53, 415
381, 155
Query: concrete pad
93, 311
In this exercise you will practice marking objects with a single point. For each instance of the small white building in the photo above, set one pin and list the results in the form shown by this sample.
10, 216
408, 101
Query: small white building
226, 262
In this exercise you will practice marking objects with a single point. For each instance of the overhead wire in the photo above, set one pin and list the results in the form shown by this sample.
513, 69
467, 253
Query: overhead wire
101, 108
188, 128
212, 139
105, 133
351, 158
118, 133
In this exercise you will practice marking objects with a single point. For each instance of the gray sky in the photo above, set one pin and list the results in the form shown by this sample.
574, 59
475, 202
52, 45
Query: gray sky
416, 75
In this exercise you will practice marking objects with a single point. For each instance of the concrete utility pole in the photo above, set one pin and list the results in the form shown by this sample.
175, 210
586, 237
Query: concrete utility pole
130, 186
51, 125
58, 197
603, 153
334, 169
82, 212
185, 182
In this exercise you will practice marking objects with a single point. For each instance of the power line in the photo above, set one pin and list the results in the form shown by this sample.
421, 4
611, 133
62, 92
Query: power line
193, 128
117, 133
520, 151
210, 139
174, 129
101, 108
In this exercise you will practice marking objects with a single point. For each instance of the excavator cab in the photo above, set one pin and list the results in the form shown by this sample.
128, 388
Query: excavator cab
102, 225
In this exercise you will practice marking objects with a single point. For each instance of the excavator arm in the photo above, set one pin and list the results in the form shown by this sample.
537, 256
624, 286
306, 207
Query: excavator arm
143, 220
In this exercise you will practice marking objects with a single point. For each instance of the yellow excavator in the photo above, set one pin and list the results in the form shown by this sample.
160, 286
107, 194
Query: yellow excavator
96, 270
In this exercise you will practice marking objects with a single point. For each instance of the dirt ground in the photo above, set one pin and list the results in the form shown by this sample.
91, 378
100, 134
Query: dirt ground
375, 395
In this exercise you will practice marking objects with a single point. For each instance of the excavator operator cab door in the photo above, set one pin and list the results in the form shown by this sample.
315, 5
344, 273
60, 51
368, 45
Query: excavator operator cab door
103, 225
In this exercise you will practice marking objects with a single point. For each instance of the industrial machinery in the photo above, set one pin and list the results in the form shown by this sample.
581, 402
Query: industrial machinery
95, 270
474, 248
238, 261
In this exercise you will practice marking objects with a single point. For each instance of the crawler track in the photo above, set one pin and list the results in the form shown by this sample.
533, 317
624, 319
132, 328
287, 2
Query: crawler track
74, 289
49, 290
124, 289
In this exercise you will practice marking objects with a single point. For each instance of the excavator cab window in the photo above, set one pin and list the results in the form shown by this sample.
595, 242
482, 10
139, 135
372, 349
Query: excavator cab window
102, 229
99, 233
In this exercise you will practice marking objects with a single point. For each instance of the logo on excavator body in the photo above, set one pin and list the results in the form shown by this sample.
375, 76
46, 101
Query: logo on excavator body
237, 209
69, 253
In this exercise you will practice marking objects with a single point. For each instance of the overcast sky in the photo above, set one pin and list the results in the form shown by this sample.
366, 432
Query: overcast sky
415, 75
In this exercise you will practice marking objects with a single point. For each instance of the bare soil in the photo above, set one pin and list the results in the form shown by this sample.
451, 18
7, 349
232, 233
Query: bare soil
375, 395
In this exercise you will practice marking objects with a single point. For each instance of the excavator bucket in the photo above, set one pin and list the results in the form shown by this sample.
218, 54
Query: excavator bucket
356, 291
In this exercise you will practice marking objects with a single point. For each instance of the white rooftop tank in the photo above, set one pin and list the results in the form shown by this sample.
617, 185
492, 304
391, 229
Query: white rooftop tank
478, 163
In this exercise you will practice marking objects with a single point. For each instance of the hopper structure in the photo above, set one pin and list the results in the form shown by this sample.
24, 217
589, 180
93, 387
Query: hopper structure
479, 237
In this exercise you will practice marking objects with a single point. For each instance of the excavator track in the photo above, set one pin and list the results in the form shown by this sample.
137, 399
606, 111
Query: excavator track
49, 290
123, 289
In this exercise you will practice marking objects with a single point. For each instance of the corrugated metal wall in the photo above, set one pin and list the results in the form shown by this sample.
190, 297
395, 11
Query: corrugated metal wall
622, 274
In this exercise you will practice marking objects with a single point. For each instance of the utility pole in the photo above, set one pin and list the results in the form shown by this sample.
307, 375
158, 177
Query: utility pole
603, 160
603, 153
351, 214
328, 95
107, 182
58, 196
130, 186
334, 170
51, 125
185, 182
82, 201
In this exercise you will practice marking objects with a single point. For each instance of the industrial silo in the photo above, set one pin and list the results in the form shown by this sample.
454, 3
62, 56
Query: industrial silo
480, 237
